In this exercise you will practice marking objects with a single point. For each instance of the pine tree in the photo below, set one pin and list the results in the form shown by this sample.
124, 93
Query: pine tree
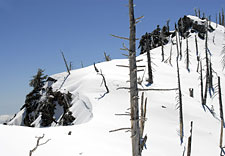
38, 80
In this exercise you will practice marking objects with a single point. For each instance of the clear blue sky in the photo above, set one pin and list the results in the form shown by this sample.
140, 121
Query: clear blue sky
32, 32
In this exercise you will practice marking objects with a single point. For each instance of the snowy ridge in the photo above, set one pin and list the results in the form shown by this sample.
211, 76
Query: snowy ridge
92, 138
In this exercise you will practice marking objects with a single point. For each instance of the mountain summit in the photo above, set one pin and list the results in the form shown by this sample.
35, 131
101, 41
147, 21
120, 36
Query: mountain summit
81, 99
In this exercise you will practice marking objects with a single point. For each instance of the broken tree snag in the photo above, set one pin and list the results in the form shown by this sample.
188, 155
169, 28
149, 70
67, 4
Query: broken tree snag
197, 53
189, 141
38, 144
221, 112
191, 92
68, 70
107, 57
187, 55
201, 83
176, 31
143, 114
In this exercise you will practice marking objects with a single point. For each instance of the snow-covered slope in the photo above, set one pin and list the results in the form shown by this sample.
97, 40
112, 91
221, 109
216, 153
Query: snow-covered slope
95, 111
5, 118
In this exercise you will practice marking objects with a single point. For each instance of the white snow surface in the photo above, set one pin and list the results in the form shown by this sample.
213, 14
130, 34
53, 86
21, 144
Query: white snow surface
5, 118
96, 114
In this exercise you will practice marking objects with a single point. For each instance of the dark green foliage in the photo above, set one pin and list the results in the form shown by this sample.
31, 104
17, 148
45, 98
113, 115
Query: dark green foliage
38, 80
45, 106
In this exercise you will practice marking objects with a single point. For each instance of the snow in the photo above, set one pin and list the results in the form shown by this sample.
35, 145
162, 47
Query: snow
96, 114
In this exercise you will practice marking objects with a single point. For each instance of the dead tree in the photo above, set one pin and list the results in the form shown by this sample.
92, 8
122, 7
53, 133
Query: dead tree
220, 20
187, 58
199, 13
216, 20
211, 90
150, 76
221, 112
180, 39
162, 44
191, 92
197, 52
168, 25
207, 65
169, 59
196, 14
38, 144
203, 16
135, 129
209, 20
201, 84
68, 70
99, 72
107, 57
189, 141
143, 114
177, 33
180, 104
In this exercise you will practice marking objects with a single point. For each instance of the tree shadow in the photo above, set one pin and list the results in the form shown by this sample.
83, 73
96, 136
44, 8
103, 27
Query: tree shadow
205, 107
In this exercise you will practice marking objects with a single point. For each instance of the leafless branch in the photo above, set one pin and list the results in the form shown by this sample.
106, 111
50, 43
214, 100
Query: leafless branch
38, 144
150, 89
120, 129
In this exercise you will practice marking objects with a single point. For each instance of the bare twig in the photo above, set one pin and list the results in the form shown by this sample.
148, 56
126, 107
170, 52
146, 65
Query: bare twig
38, 143
120, 129
150, 89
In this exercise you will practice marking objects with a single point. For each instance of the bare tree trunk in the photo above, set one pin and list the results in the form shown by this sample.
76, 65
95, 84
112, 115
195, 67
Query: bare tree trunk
135, 130
220, 18
187, 55
180, 104
150, 76
162, 51
197, 53
189, 141
176, 31
216, 21
201, 83
207, 65
68, 70
180, 41
210, 78
221, 112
